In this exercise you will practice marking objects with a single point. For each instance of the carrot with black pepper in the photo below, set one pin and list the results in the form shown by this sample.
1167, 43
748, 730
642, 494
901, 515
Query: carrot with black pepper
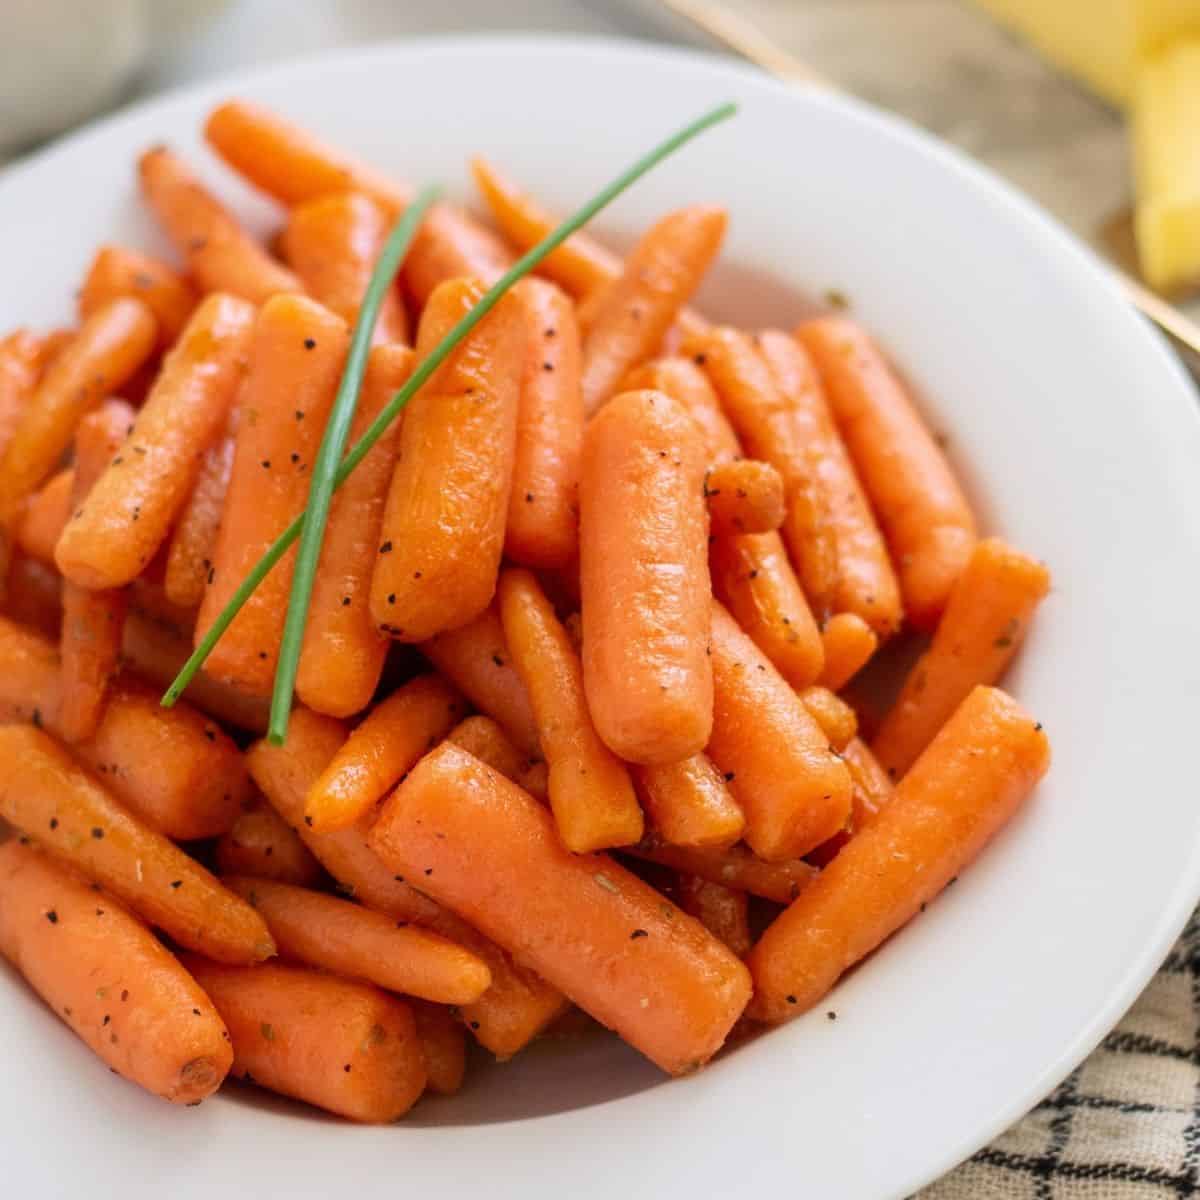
686, 383
262, 844
735, 866
118, 271
442, 1044
744, 496
487, 741
871, 788
848, 642
109, 979
688, 803
723, 911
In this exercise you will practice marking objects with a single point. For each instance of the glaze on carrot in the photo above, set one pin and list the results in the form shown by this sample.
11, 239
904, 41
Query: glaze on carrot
487, 741
686, 383
848, 642
118, 271
871, 789
688, 803
261, 843
724, 912
745, 496
838, 721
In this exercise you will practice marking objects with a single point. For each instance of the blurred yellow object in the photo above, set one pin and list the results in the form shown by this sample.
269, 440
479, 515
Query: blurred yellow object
1099, 41
1166, 150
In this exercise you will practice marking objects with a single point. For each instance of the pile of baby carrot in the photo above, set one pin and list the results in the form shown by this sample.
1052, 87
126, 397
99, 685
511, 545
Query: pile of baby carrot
580, 718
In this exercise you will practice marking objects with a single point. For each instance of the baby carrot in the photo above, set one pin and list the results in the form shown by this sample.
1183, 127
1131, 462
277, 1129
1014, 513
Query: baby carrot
443, 525
487, 741
442, 1044
475, 658
971, 779
929, 525
744, 496
22, 357
791, 786
296, 361
110, 979
44, 516
127, 514
610, 941
220, 255
118, 271
591, 794
633, 314
340, 1045
107, 350
688, 803
644, 578
984, 623
871, 789
734, 866
724, 912
686, 384
45, 794
543, 507
342, 655
263, 844
33, 597
332, 244
347, 939
93, 621
848, 642
389, 740
838, 721
752, 577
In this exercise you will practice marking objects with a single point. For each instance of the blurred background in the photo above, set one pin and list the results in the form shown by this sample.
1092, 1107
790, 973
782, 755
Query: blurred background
1056, 120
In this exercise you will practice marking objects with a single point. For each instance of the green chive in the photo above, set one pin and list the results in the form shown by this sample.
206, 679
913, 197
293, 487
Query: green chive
424, 370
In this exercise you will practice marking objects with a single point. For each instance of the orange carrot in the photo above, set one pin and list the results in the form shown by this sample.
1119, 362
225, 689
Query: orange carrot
22, 357
93, 621
871, 790
929, 525
118, 271
127, 514
443, 526
388, 742
752, 577
585, 923
724, 912
791, 786
109, 979
44, 517
476, 660
971, 779
637, 309
985, 621
263, 844
644, 579
296, 361
343, 653
109, 347
848, 642
347, 939
518, 1005
591, 794
686, 384
33, 597
688, 803
734, 866
340, 1045
744, 496
220, 255
483, 737
838, 721
45, 794
543, 507
332, 243
443, 1046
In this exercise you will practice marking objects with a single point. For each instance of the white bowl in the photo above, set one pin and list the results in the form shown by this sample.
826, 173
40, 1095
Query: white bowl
1078, 435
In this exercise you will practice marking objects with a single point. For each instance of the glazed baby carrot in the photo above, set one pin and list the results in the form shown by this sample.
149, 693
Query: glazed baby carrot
483, 737
871, 789
340, 1045
744, 496
347, 939
191, 541
22, 356
971, 779
543, 507
687, 803
633, 314
107, 350
389, 740
721, 910
752, 577
297, 355
837, 719
929, 525
33, 597
848, 642
46, 795
93, 620
476, 660
118, 271
220, 255
44, 516
734, 866
332, 244
791, 786
984, 623
263, 844
686, 384
442, 1044
610, 941
127, 514
518, 1005
443, 525
109, 979
591, 794
643, 543
342, 655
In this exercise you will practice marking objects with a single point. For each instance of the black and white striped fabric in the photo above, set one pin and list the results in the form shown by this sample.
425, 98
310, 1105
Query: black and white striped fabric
1125, 1125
